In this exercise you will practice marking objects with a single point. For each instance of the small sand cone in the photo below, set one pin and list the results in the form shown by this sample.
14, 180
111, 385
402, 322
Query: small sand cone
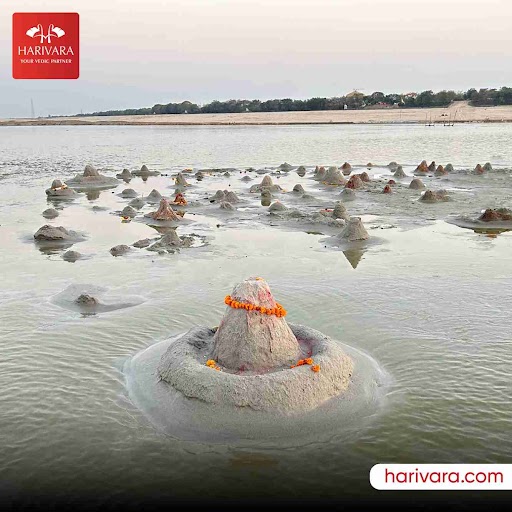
354, 182
334, 177
181, 181
165, 212
353, 231
254, 340
346, 168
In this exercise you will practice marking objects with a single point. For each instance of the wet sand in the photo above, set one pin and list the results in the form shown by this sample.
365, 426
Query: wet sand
458, 112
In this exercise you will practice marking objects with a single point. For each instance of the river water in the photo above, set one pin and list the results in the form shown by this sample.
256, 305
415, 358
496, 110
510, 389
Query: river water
430, 303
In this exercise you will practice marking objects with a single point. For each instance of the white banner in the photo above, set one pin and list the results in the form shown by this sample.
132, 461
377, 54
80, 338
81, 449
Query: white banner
450, 477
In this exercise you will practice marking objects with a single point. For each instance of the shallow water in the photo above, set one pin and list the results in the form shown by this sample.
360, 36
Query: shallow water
430, 303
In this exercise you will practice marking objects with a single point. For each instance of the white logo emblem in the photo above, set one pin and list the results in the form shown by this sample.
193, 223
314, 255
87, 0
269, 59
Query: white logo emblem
52, 32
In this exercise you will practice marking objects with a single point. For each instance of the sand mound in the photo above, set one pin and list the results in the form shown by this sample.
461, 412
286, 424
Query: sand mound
60, 191
347, 194
334, 177
137, 203
448, 168
285, 167
54, 233
364, 177
355, 182
277, 206
353, 231
120, 250
440, 171
399, 173
129, 192
128, 211
299, 189
340, 211
393, 165
71, 256
498, 215
434, 196
416, 184
180, 180
266, 184
432, 167
145, 172
478, 169
301, 171
422, 168
143, 243
231, 197
487, 166
91, 178
387, 190
154, 197
246, 179
50, 213
170, 243
224, 205
319, 173
164, 212
253, 350
126, 175
346, 168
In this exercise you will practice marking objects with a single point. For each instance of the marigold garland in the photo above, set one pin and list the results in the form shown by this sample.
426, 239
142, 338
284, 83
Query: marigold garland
278, 311
308, 361
211, 363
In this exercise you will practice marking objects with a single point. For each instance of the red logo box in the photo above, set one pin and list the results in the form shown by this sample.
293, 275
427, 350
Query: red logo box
45, 45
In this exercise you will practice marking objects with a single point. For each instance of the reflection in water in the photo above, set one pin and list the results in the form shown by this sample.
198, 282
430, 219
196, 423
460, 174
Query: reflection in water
491, 232
354, 256
265, 201
92, 194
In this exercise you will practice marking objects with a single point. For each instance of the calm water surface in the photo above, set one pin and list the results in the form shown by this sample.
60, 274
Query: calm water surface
431, 303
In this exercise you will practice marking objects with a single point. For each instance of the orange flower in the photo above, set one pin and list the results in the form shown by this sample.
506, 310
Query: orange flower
210, 362
316, 368
309, 360
300, 362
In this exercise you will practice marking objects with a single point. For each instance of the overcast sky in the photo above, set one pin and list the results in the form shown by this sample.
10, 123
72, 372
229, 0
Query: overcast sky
136, 53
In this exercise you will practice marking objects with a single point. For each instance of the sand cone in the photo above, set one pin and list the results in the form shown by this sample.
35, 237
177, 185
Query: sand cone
254, 340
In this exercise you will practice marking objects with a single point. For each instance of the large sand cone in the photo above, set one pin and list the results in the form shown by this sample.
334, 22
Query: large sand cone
165, 212
253, 340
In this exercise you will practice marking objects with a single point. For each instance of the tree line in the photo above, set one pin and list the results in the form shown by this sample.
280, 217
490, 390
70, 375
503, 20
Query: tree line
354, 100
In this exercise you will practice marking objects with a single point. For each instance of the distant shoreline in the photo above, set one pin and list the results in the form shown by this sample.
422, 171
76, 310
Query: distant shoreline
457, 113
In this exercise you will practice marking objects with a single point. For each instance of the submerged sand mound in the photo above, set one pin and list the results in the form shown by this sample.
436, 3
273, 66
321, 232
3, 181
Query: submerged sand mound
171, 243
50, 213
125, 175
128, 211
91, 178
440, 171
120, 250
285, 167
145, 172
129, 193
347, 194
137, 203
224, 205
353, 231
416, 184
266, 184
71, 256
399, 173
301, 171
246, 179
487, 167
448, 168
334, 177
231, 197
299, 189
218, 196
255, 360
434, 196
355, 182
478, 169
393, 165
